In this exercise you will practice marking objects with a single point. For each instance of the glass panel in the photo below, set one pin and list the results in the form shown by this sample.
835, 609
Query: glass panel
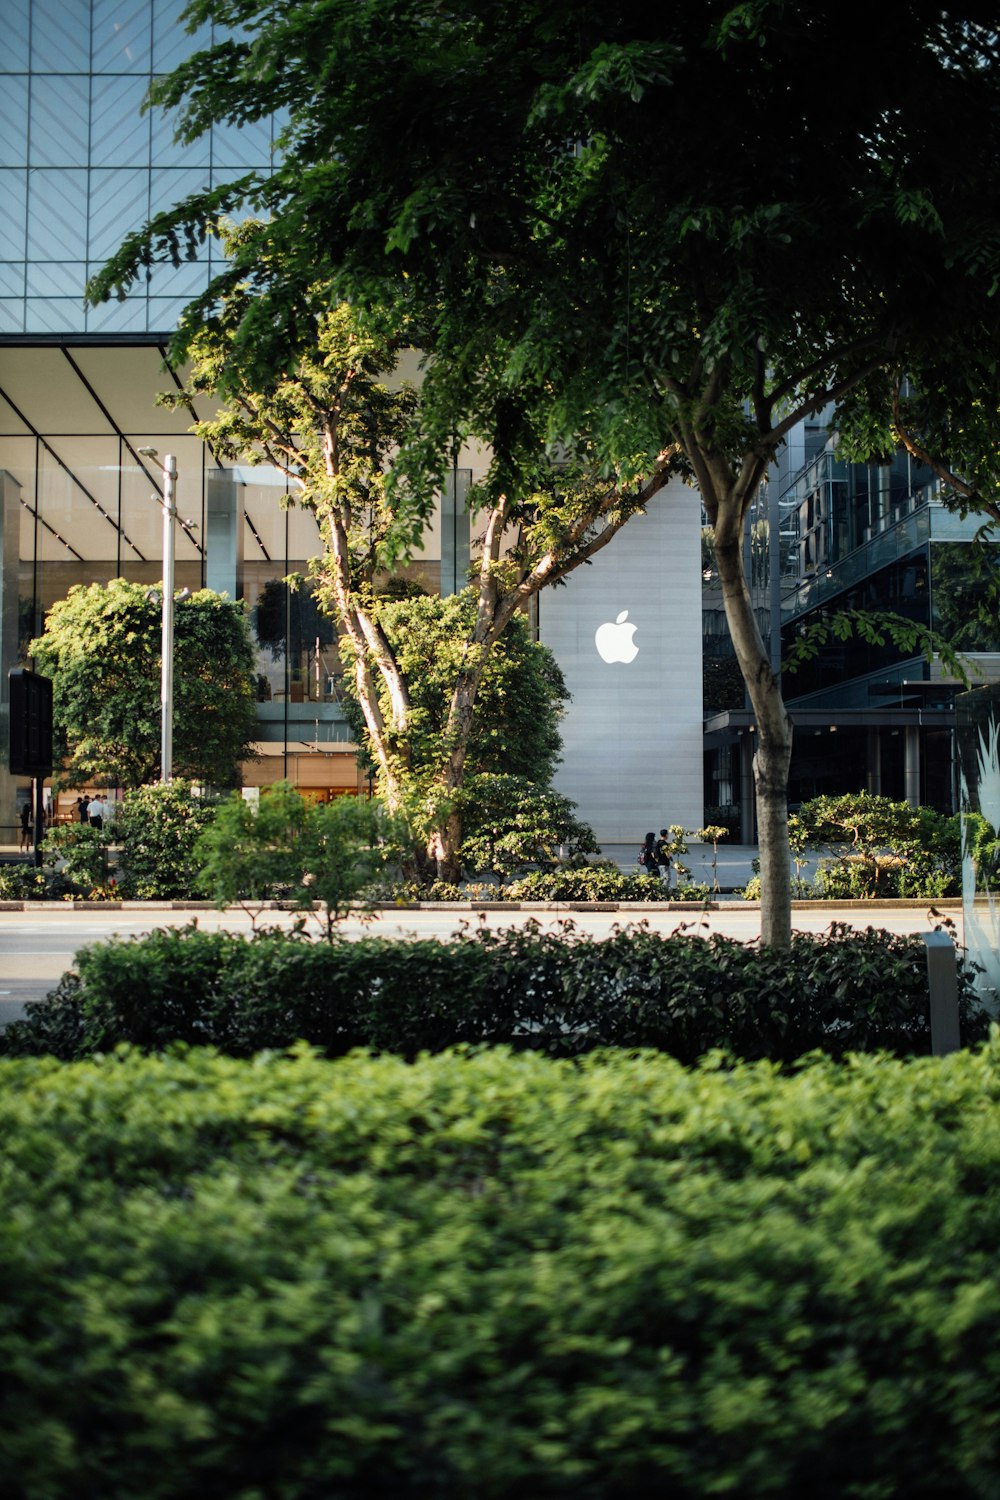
119, 202
171, 42
122, 36
57, 279
119, 317
14, 121
170, 153
242, 145
142, 515
169, 185
57, 215
119, 132
59, 121
14, 52
11, 315
165, 312
13, 194
62, 315
185, 280
60, 36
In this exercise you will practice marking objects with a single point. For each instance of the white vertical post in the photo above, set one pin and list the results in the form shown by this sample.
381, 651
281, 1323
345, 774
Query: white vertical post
167, 639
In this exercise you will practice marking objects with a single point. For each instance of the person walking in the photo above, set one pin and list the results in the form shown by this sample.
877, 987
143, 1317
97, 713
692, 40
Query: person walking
661, 849
25, 816
81, 809
647, 856
95, 812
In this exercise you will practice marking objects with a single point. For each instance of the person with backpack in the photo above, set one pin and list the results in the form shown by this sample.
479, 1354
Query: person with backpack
647, 856
661, 850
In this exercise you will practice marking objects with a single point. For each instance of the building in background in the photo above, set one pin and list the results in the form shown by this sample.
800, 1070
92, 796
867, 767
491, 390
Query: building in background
829, 535
81, 166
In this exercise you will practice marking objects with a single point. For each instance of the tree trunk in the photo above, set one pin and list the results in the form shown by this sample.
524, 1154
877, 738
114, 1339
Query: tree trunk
774, 731
446, 840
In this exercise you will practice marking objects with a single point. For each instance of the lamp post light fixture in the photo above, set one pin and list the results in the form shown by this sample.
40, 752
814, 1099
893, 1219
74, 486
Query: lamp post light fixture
168, 502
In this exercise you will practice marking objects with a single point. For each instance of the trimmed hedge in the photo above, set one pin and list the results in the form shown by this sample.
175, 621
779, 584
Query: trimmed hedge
558, 992
499, 1276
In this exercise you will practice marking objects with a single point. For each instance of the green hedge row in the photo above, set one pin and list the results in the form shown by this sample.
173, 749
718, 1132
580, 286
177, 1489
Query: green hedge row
499, 1276
559, 992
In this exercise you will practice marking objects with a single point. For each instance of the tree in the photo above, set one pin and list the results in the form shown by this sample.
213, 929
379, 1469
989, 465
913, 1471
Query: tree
522, 694
157, 828
318, 856
101, 647
333, 425
510, 822
675, 236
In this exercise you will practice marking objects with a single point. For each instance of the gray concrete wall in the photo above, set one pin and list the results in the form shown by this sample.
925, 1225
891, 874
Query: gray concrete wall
632, 736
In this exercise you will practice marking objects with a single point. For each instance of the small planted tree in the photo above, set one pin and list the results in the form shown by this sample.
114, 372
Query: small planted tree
315, 856
512, 824
101, 647
158, 828
879, 847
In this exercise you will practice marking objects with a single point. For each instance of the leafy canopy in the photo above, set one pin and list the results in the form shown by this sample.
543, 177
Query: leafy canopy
674, 228
101, 647
520, 701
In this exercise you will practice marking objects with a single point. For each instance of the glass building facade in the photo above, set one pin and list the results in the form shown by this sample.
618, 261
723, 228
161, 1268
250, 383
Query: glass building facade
869, 715
80, 167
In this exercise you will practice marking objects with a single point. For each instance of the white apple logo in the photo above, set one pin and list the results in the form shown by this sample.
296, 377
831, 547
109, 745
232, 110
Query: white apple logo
614, 640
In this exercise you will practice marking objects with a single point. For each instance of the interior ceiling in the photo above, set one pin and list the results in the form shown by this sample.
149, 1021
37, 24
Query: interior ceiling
72, 421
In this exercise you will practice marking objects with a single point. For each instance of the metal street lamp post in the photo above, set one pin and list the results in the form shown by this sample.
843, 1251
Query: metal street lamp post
169, 507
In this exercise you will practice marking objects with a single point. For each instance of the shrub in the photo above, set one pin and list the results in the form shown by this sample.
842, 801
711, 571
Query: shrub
25, 882
314, 854
158, 828
510, 823
499, 1277
883, 848
558, 992
82, 853
598, 882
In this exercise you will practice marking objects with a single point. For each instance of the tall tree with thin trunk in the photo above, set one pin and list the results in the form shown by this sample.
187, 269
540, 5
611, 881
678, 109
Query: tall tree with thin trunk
334, 425
677, 231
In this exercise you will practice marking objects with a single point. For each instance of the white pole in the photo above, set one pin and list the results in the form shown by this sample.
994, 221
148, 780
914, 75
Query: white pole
167, 639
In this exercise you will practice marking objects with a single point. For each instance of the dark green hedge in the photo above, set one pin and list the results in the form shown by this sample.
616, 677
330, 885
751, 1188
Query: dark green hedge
557, 992
499, 1277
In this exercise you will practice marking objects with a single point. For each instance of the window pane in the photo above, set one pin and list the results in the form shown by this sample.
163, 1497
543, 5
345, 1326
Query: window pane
14, 121
119, 132
57, 215
57, 279
118, 317
122, 36
59, 125
60, 36
119, 202
11, 315
14, 52
242, 145
171, 43
54, 315
169, 153
13, 190
11, 278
